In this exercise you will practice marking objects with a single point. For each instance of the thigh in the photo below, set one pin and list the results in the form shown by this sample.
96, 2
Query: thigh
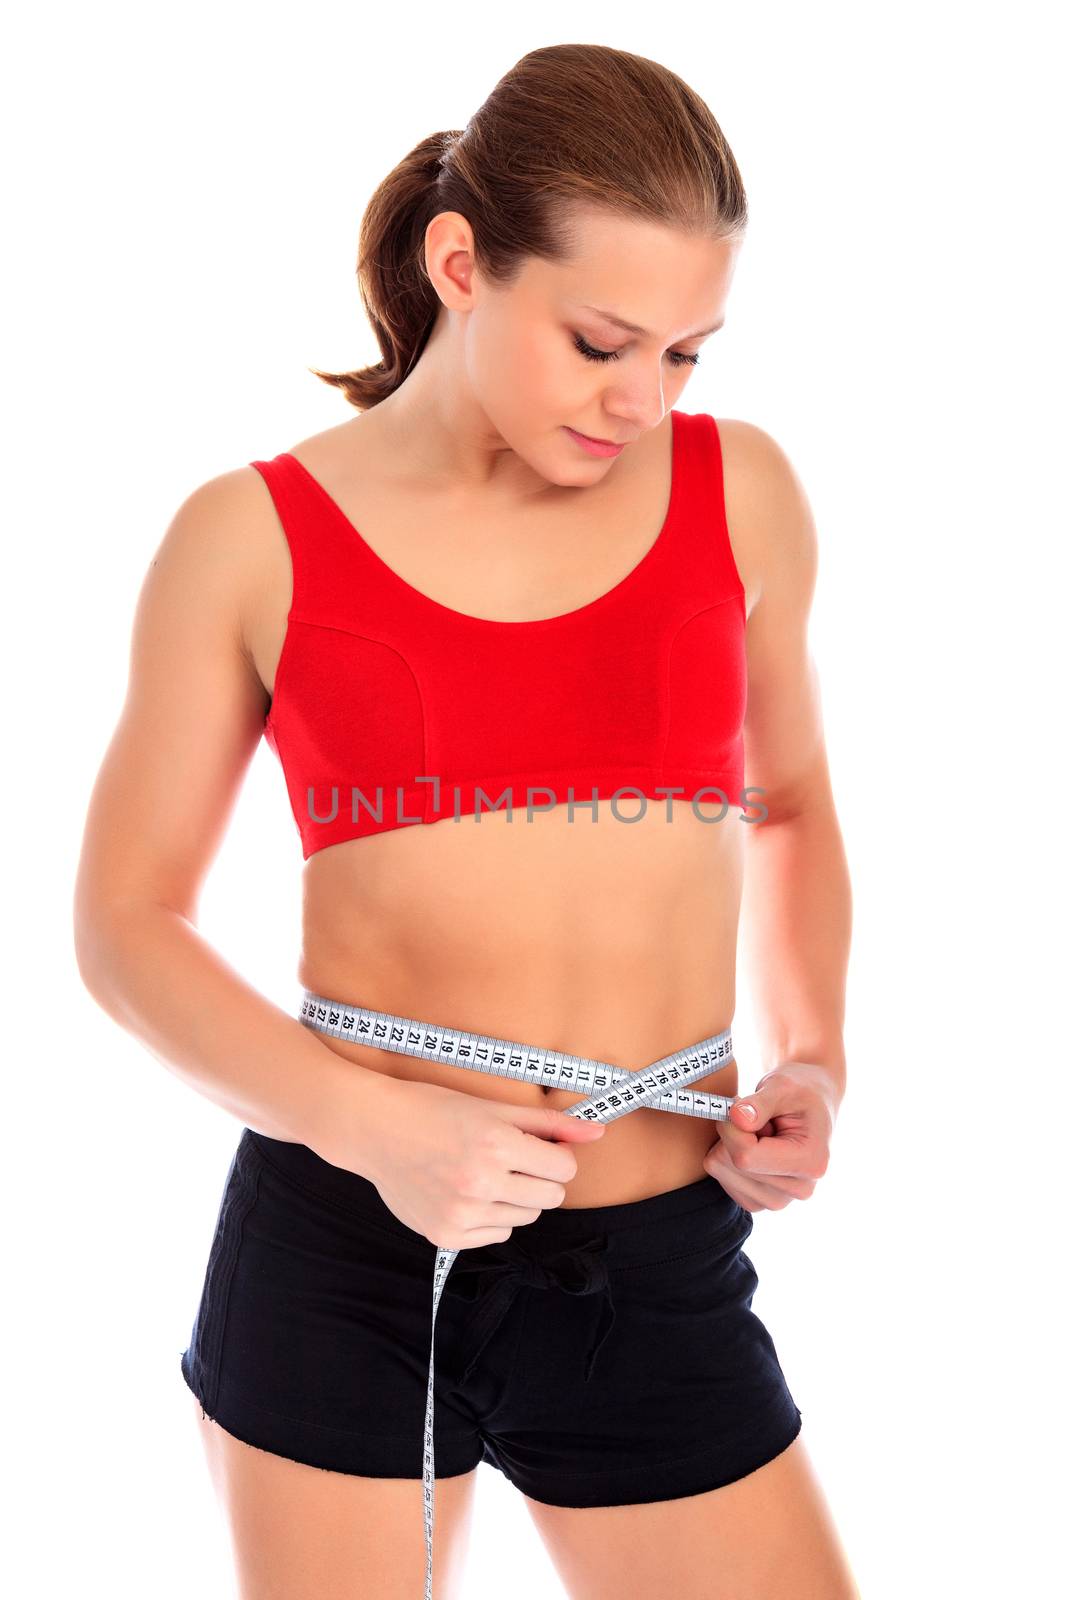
308, 1364
312, 1337
305, 1533
766, 1536
673, 1390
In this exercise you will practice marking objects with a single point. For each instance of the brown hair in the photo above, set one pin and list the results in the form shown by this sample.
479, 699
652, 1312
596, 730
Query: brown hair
570, 124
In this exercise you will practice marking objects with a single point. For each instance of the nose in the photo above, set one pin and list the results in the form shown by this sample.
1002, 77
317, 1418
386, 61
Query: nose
635, 407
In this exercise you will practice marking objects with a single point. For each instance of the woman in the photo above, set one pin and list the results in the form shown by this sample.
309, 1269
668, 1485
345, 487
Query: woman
456, 600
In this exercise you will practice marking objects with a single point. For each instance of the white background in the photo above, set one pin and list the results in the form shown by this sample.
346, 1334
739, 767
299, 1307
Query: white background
183, 193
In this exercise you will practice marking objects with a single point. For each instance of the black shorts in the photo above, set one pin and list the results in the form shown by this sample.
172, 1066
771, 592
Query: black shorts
602, 1355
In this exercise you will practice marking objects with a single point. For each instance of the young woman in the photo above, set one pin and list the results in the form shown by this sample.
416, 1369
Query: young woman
529, 642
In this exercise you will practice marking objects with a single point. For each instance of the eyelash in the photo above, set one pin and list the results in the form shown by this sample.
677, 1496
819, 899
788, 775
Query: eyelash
592, 354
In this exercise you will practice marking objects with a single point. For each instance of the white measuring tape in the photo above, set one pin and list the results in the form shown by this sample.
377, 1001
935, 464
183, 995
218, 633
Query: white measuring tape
659, 1087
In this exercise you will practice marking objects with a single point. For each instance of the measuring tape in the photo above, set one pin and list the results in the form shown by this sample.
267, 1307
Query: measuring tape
659, 1087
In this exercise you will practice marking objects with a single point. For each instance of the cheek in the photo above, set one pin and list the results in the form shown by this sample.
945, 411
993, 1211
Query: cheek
555, 380
523, 371
535, 366
494, 362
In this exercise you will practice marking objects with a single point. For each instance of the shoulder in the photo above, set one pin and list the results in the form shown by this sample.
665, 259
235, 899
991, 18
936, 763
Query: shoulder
767, 508
222, 527
223, 551
219, 518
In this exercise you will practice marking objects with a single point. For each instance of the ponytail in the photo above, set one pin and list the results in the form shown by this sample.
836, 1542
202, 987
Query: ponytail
399, 299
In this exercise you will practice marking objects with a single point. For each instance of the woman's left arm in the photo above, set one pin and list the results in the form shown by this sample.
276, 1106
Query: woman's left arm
797, 900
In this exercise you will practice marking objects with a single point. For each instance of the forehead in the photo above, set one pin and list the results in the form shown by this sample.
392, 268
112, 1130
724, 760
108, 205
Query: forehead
641, 279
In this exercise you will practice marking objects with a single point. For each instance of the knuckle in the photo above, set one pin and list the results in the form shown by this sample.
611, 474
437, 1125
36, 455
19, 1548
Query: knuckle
461, 1220
489, 1149
471, 1182
457, 1218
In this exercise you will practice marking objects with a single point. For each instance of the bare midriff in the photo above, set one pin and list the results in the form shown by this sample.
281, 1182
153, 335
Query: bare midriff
611, 939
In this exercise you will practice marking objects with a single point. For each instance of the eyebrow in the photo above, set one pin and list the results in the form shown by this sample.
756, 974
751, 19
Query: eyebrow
642, 333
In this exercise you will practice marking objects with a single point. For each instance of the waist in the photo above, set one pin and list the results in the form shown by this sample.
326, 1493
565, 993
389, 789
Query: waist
632, 1020
663, 1110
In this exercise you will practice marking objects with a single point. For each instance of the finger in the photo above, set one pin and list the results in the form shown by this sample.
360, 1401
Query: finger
741, 1196
759, 1196
519, 1189
770, 1191
794, 1188
741, 1193
783, 1155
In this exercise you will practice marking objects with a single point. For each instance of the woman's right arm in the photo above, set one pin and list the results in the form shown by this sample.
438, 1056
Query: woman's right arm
190, 725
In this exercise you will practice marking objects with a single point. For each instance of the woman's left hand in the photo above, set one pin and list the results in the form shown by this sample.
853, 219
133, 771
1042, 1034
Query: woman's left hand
797, 1104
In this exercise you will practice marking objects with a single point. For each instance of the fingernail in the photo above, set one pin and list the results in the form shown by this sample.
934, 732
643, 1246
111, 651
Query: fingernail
747, 1111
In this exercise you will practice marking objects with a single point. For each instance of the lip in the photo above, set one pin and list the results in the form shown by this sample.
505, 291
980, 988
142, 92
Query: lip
596, 447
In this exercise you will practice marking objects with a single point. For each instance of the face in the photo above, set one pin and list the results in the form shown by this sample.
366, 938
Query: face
542, 356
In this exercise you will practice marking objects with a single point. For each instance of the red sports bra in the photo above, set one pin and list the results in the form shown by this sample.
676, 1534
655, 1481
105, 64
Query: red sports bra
391, 709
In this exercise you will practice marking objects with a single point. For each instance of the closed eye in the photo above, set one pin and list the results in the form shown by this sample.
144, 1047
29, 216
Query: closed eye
592, 354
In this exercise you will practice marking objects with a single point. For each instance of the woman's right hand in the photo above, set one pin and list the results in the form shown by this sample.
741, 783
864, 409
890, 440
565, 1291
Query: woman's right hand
462, 1170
